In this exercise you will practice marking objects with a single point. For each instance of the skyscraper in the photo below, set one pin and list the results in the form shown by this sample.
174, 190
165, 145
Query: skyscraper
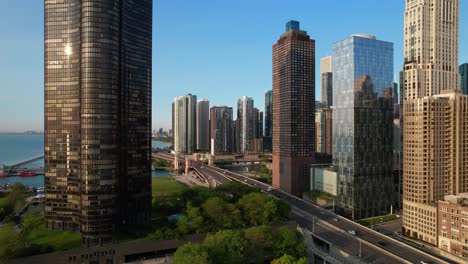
463, 71
258, 131
267, 139
431, 47
97, 116
258, 115
435, 155
363, 125
293, 109
185, 123
203, 125
431, 169
323, 130
222, 131
395, 93
246, 124
326, 73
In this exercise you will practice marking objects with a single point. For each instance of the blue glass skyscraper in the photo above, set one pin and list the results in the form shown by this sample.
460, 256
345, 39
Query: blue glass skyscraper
463, 75
363, 125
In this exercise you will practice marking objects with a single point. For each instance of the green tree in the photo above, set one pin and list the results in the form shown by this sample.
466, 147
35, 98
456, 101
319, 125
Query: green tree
288, 242
191, 222
265, 170
258, 209
260, 243
233, 191
32, 220
287, 259
196, 196
191, 253
283, 208
12, 243
160, 163
226, 246
14, 200
222, 214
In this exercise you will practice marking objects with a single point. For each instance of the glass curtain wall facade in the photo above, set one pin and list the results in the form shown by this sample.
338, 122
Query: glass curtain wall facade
97, 116
463, 75
203, 125
222, 132
267, 139
185, 121
363, 125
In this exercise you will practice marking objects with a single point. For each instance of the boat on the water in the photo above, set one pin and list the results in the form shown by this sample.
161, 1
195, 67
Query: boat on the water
27, 174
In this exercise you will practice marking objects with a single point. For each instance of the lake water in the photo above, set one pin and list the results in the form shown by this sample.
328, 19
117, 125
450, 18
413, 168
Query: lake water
16, 148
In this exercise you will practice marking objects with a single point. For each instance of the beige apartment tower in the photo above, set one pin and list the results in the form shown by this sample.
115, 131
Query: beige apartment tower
434, 115
435, 159
431, 47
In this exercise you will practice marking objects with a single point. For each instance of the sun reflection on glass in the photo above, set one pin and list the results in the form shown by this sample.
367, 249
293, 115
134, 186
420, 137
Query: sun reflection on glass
68, 50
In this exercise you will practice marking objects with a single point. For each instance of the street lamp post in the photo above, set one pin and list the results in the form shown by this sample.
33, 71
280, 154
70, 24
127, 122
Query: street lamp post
313, 225
360, 246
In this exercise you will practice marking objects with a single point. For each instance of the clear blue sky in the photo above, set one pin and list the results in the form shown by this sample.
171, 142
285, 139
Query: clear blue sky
219, 50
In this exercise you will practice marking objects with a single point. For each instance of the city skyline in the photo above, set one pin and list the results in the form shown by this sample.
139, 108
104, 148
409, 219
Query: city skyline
200, 60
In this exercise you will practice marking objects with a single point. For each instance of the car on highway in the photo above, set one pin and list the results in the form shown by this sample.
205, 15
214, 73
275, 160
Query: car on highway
382, 243
352, 232
269, 189
335, 219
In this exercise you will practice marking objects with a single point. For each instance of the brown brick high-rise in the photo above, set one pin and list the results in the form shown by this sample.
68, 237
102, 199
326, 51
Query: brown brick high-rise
293, 109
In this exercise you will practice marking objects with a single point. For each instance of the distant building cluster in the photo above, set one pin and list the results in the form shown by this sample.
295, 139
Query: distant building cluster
161, 133
199, 128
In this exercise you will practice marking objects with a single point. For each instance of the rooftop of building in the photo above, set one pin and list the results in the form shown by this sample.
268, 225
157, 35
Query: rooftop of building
449, 93
459, 199
367, 36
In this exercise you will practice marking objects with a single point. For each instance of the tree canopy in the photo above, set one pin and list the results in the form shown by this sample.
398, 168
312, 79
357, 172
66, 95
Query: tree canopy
259, 244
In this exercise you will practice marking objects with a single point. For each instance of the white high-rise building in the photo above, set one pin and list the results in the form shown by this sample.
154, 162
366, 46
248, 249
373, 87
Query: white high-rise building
185, 123
246, 123
431, 47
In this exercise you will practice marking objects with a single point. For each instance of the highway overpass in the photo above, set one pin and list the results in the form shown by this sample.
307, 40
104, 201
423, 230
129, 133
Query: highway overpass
370, 246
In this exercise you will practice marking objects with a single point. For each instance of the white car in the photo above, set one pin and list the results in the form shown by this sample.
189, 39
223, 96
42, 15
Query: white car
269, 189
352, 232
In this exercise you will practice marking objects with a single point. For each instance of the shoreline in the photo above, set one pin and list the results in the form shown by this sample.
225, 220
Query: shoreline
163, 169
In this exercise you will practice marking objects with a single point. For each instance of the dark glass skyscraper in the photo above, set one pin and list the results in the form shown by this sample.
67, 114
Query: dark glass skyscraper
267, 139
463, 75
222, 131
363, 125
97, 115
293, 109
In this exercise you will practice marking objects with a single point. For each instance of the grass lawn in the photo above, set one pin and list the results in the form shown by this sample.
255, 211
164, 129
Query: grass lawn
378, 220
162, 186
58, 240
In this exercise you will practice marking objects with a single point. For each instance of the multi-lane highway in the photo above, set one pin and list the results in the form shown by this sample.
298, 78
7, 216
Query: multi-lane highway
372, 246
369, 245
